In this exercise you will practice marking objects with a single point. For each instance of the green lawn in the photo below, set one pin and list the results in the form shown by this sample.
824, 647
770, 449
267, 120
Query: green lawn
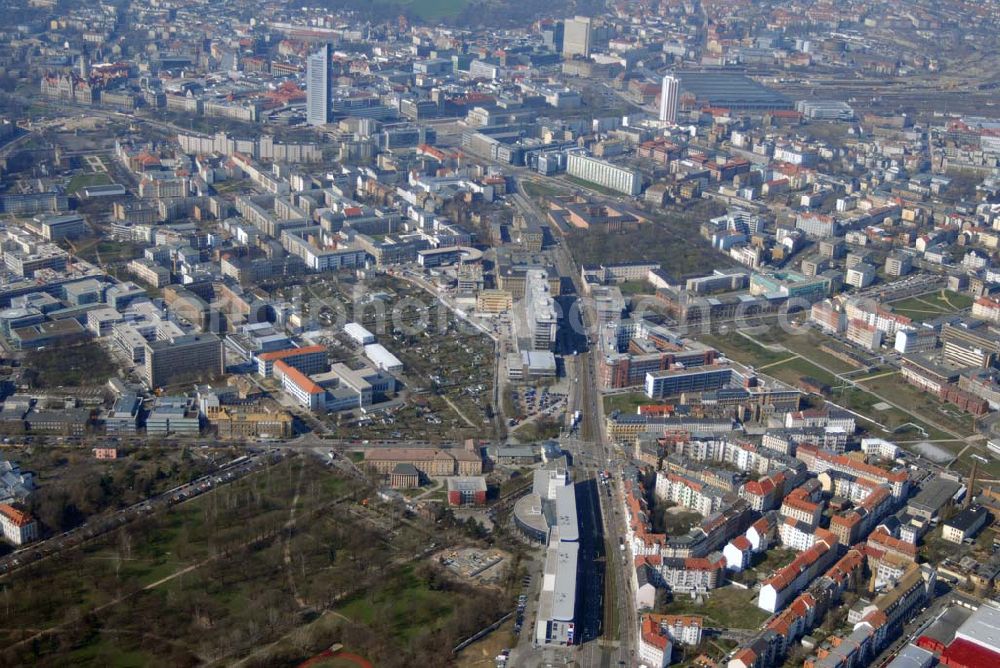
864, 403
592, 186
107, 252
430, 10
921, 403
773, 560
81, 181
807, 342
795, 368
626, 403
637, 288
727, 607
103, 652
405, 602
933, 305
786, 366
964, 463
743, 350
541, 190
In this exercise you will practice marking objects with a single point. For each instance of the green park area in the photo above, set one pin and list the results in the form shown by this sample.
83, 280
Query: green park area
428, 10
234, 573
85, 363
932, 305
671, 238
920, 403
539, 190
786, 364
808, 343
908, 413
107, 252
87, 179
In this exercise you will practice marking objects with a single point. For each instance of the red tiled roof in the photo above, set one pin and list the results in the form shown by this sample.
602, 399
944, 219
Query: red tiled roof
276, 355
652, 634
18, 517
304, 382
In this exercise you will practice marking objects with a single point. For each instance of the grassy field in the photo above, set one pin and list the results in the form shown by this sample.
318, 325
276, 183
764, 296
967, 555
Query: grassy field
541, 190
637, 288
405, 603
430, 10
743, 350
795, 368
787, 366
921, 403
898, 422
81, 181
727, 607
591, 186
806, 342
626, 403
773, 560
918, 407
933, 305
108, 252
963, 464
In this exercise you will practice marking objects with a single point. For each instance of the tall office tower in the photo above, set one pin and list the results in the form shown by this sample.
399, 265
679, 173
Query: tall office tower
552, 35
577, 36
319, 86
670, 94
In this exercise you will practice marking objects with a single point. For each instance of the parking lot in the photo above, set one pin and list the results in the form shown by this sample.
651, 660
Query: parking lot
531, 401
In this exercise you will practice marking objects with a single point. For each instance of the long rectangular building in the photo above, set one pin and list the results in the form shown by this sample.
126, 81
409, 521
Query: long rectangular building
431, 462
308, 360
556, 624
605, 174
673, 382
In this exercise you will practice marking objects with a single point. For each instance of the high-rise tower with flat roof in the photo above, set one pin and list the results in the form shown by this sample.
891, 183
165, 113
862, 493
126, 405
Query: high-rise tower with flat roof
670, 94
577, 37
319, 86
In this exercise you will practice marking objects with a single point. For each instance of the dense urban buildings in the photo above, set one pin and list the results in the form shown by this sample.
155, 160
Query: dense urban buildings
676, 323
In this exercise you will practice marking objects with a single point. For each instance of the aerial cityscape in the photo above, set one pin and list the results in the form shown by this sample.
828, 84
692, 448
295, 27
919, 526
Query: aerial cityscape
479, 333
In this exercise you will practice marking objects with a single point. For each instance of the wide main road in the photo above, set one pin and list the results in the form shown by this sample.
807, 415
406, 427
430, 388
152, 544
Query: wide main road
593, 454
